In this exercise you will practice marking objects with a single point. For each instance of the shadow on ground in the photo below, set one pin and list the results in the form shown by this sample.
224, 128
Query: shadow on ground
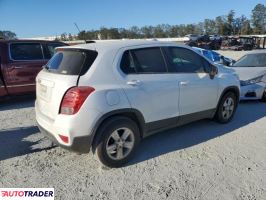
197, 132
15, 142
17, 102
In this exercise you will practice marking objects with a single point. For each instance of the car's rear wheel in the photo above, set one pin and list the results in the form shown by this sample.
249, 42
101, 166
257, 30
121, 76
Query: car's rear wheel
120, 138
226, 108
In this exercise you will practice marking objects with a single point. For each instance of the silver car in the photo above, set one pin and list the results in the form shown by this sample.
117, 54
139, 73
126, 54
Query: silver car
251, 69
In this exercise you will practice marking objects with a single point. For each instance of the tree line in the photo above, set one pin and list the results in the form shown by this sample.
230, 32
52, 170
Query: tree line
225, 25
221, 25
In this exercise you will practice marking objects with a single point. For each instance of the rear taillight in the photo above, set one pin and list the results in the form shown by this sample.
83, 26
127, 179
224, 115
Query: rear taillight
74, 98
64, 138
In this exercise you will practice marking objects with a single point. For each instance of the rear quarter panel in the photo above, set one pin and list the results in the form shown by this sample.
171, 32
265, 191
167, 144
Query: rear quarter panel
108, 95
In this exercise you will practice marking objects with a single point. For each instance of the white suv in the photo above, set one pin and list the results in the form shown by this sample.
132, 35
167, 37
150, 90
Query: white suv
107, 96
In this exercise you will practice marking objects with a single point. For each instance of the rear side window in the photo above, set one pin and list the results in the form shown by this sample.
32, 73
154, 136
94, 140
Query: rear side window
148, 60
183, 60
26, 51
71, 61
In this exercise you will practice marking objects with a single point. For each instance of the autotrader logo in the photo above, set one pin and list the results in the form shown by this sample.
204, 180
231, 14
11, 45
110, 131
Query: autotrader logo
27, 193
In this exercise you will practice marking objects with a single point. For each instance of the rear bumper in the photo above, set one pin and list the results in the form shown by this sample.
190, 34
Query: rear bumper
253, 91
77, 128
80, 144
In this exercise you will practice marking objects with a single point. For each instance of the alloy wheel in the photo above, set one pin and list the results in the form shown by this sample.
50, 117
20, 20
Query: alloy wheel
120, 143
228, 108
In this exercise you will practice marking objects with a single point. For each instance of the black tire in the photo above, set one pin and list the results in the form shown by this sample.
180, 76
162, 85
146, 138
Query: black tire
220, 116
106, 131
263, 99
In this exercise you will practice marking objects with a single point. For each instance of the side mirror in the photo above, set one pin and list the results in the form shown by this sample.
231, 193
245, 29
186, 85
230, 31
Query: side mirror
213, 71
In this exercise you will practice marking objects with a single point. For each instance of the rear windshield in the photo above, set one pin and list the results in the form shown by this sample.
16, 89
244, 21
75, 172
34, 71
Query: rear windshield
71, 61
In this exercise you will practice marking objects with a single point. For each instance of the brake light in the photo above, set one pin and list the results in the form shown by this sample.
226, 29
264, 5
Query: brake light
74, 98
64, 138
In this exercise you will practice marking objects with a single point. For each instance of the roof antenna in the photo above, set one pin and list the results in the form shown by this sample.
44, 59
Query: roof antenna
77, 26
79, 30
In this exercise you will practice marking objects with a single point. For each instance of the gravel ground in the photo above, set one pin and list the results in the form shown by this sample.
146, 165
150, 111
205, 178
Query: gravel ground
203, 160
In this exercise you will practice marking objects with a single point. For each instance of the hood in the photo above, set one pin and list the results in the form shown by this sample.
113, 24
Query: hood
247, 73
224, 69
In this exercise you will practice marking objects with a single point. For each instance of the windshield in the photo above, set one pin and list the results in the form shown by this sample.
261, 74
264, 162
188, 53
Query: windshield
207, 54
71, 61
252, 60
216, 56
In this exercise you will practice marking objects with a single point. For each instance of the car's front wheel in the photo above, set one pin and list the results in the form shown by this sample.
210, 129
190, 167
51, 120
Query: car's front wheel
226, 108
120, 138
263, 99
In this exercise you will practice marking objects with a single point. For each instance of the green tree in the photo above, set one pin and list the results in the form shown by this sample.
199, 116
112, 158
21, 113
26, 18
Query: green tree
63, 37
246, 28
7, 35
70, 37
230, 22
147, 31
259, 19
209, 26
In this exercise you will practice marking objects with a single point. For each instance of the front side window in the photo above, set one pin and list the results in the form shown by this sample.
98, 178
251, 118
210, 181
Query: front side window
26, 51
149, 60
184, 60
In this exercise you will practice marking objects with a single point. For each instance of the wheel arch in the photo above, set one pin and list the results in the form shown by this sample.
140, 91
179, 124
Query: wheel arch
130, 113
233, 89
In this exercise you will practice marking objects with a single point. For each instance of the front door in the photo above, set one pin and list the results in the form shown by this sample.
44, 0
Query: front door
198, 92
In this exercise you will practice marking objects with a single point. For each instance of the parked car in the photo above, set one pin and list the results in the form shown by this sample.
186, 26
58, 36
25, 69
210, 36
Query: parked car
191, 37
205, 42
251, 69
107, 96
215, 37
239, 43
20, 62
215, 57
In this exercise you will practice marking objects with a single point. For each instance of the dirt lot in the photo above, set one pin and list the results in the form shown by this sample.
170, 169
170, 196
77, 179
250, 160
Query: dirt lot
203, 160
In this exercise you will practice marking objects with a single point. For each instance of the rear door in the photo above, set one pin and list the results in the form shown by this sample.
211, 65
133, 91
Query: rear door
26, 61
61, 73
149, 86
198, 92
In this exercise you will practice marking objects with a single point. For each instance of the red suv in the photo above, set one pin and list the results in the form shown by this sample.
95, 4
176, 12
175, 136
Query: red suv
21, 61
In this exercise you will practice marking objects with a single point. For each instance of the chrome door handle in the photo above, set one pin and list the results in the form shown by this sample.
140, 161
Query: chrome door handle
184, 83
134, 82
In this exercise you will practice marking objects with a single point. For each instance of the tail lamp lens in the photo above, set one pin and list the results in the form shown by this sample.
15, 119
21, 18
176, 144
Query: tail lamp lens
64, 138
74, 98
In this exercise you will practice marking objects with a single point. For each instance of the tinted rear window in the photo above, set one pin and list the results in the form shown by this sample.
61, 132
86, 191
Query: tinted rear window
26, 51
71, 61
